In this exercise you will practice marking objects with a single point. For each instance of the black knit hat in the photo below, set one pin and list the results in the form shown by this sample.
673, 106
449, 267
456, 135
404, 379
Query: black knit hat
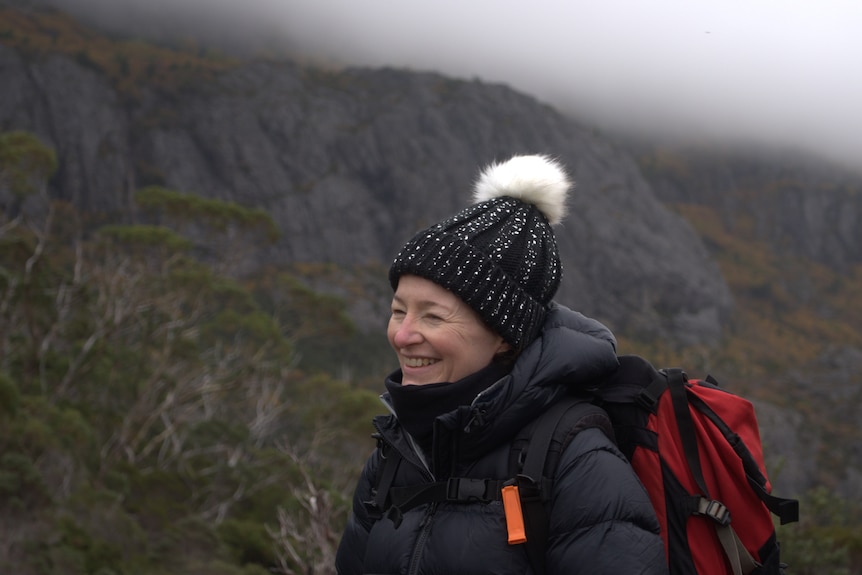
500, 254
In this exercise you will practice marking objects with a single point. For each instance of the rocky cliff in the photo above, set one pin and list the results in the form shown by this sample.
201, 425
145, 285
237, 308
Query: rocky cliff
352, 163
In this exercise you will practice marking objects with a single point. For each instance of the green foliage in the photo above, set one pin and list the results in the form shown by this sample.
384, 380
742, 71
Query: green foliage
143, 236
10, 397
322, 332
89, 549
827, 539
153, 418
219, 215
255, 326
25, 163
290, 299
248, 542
21, 485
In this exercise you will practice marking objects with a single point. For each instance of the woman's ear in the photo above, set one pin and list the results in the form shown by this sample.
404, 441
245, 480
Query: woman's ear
506, 354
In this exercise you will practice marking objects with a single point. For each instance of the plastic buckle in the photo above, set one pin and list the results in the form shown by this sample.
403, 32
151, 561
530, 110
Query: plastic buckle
715, 510
373, 511
529, 489
466, 489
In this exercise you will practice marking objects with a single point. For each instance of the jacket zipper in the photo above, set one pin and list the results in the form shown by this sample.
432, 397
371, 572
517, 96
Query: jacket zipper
413, 567
477, 415
420, 541
415, 448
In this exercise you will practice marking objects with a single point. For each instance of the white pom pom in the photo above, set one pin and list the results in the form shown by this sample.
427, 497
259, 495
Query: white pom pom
537, 180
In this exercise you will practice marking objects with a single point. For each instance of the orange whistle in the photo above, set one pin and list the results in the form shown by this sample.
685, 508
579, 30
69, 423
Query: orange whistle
514, 515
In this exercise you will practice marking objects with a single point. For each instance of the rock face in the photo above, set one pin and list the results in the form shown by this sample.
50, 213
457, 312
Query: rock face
76, 111
351, 164
798, 205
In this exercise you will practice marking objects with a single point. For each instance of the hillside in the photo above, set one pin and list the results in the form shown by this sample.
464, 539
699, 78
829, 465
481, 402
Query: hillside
292, 187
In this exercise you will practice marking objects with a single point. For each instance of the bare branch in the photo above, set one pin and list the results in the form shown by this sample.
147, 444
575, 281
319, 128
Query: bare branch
42, 234
315, 534
10, 225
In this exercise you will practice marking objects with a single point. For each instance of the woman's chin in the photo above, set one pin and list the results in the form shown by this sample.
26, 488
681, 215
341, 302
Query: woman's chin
419, 376
414, 381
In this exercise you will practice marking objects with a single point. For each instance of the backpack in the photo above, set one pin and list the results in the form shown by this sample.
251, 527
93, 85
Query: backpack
697, 450
694, 446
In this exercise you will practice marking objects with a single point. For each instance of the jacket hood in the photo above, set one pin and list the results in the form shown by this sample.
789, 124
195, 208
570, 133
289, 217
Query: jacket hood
571, 353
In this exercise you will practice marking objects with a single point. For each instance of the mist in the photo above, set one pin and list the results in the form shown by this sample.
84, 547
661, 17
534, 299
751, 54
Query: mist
766, 72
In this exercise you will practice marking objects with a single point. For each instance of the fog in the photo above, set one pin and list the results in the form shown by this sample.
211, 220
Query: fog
785, 72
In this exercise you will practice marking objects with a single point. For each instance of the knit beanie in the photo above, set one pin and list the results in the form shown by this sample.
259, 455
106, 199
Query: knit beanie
498, 255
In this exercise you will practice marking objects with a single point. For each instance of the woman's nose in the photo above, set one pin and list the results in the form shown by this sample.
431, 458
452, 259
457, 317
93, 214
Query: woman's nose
406, 333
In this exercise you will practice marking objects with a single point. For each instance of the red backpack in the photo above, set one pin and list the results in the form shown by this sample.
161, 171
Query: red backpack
696, 449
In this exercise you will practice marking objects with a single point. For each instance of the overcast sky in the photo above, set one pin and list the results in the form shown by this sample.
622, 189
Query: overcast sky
786, 71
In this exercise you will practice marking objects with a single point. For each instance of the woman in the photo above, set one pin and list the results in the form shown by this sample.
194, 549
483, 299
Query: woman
483, 350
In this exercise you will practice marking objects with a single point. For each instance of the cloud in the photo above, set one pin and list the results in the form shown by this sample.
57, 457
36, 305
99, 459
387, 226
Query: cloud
773, 71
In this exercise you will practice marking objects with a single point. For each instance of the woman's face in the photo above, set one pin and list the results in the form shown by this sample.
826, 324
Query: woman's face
436, 336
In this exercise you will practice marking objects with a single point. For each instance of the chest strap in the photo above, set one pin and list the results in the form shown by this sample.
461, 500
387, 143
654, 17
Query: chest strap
453, 490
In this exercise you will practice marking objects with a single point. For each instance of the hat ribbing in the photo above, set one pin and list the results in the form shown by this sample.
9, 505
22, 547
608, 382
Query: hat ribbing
500, 254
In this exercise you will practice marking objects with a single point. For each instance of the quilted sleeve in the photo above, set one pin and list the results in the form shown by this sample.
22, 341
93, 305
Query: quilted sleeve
601, 519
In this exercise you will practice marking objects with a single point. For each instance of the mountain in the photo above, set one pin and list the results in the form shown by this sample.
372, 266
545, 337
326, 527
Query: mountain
724, 260
351, 163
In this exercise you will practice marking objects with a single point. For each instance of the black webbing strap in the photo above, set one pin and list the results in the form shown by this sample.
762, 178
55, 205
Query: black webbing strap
649, 396
392, 502
530, 485
787, 510
540, 440
391, 460
676, 385
454, 490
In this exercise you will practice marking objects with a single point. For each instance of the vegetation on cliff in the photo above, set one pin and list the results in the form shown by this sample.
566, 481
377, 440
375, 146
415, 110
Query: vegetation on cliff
155, 418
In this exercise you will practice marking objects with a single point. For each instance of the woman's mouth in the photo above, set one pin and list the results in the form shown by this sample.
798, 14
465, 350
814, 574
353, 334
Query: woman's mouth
419, 361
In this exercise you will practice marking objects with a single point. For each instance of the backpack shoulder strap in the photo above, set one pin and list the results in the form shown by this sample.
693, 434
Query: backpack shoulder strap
560, 423
390, 459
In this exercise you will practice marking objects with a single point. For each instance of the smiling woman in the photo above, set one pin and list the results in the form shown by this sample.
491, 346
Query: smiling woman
436, 336
483, 350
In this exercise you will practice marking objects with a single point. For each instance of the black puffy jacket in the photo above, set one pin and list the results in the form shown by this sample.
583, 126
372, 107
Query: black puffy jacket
601, 520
